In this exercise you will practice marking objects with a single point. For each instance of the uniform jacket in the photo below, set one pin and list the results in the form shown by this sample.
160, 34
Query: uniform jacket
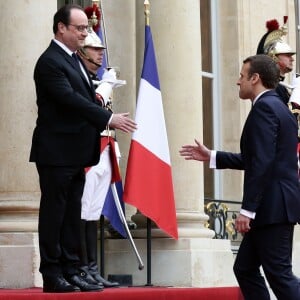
283, 93
268, 157
69, 119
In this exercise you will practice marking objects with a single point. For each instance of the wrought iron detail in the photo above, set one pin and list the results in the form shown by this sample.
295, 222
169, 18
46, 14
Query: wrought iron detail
222, 215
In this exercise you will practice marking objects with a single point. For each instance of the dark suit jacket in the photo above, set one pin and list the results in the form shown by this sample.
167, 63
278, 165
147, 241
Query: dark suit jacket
268, 156
69, 119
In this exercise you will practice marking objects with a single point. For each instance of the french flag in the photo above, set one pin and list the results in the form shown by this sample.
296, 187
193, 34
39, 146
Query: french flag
148, 183
110, 208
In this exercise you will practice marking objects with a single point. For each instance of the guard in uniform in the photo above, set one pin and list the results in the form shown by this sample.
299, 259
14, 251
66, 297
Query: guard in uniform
272, 44
98, 178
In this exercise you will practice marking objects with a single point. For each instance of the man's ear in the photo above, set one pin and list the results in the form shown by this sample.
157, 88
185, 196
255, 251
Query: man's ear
255, 78
61, 27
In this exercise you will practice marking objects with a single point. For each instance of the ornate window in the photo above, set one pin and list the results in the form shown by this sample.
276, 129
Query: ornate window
210, 89
82, 3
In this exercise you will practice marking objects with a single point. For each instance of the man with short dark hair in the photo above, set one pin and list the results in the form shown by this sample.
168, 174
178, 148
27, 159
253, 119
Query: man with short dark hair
65, 140
271, 202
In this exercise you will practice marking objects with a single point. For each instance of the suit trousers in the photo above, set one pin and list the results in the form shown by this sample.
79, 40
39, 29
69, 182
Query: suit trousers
270, 247
59, 219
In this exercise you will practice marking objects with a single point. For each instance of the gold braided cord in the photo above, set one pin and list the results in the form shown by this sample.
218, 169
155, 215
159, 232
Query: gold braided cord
276, 35
272, 37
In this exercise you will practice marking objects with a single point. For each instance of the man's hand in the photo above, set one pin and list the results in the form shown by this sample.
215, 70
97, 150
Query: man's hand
242, 223
195, 152
123, 122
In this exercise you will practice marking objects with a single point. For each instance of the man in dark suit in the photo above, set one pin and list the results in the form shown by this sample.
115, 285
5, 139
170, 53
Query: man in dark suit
65, 140
271, 200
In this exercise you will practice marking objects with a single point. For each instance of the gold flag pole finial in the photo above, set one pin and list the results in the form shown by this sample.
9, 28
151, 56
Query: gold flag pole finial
147, 12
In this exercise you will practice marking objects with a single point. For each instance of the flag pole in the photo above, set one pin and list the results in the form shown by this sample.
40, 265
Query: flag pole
297, 21
122, 216
147, 12
149, 237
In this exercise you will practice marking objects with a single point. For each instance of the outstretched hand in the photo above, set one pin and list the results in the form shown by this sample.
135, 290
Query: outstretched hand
195, 152
123, 122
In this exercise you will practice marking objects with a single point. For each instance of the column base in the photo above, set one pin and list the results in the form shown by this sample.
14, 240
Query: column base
188, 262
19, 260
19, 249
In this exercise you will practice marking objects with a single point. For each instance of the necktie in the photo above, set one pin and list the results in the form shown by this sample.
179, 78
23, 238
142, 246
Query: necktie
80, 69
74, 55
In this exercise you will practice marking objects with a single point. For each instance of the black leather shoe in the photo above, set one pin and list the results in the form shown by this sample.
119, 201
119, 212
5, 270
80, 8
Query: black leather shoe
105, 282
84, 286
58, 285
84, 274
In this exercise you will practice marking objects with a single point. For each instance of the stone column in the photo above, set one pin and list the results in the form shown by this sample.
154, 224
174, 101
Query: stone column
25, 31
195, 259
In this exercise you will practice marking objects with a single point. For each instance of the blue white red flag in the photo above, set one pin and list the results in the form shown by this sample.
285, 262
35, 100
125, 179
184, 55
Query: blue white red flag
148, 183
110, 209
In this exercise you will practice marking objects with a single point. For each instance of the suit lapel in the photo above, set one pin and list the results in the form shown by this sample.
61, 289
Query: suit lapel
86, 79
90, 82
86, 71
71, 60
249, 117
77, 67
243, 136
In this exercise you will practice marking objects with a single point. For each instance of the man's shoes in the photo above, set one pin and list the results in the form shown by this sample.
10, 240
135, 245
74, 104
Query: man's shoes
58, 285
104, 282
84, 286
85, 274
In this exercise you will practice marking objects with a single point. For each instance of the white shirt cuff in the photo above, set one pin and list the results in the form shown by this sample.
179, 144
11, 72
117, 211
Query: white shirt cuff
247, 213
212, 161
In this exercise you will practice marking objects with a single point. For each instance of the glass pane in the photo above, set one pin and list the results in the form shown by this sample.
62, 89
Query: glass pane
205, 22
207, 134
207, 95
83, 3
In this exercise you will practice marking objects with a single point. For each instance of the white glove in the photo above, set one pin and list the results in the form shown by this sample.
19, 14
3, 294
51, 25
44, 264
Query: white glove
295, 81
110, 76
109, 81
295, 95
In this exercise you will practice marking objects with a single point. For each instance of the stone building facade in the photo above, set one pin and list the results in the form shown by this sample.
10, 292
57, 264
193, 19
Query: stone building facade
200, 46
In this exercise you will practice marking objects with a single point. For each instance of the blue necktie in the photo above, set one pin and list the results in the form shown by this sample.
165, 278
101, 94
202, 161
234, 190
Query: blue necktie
74, 55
